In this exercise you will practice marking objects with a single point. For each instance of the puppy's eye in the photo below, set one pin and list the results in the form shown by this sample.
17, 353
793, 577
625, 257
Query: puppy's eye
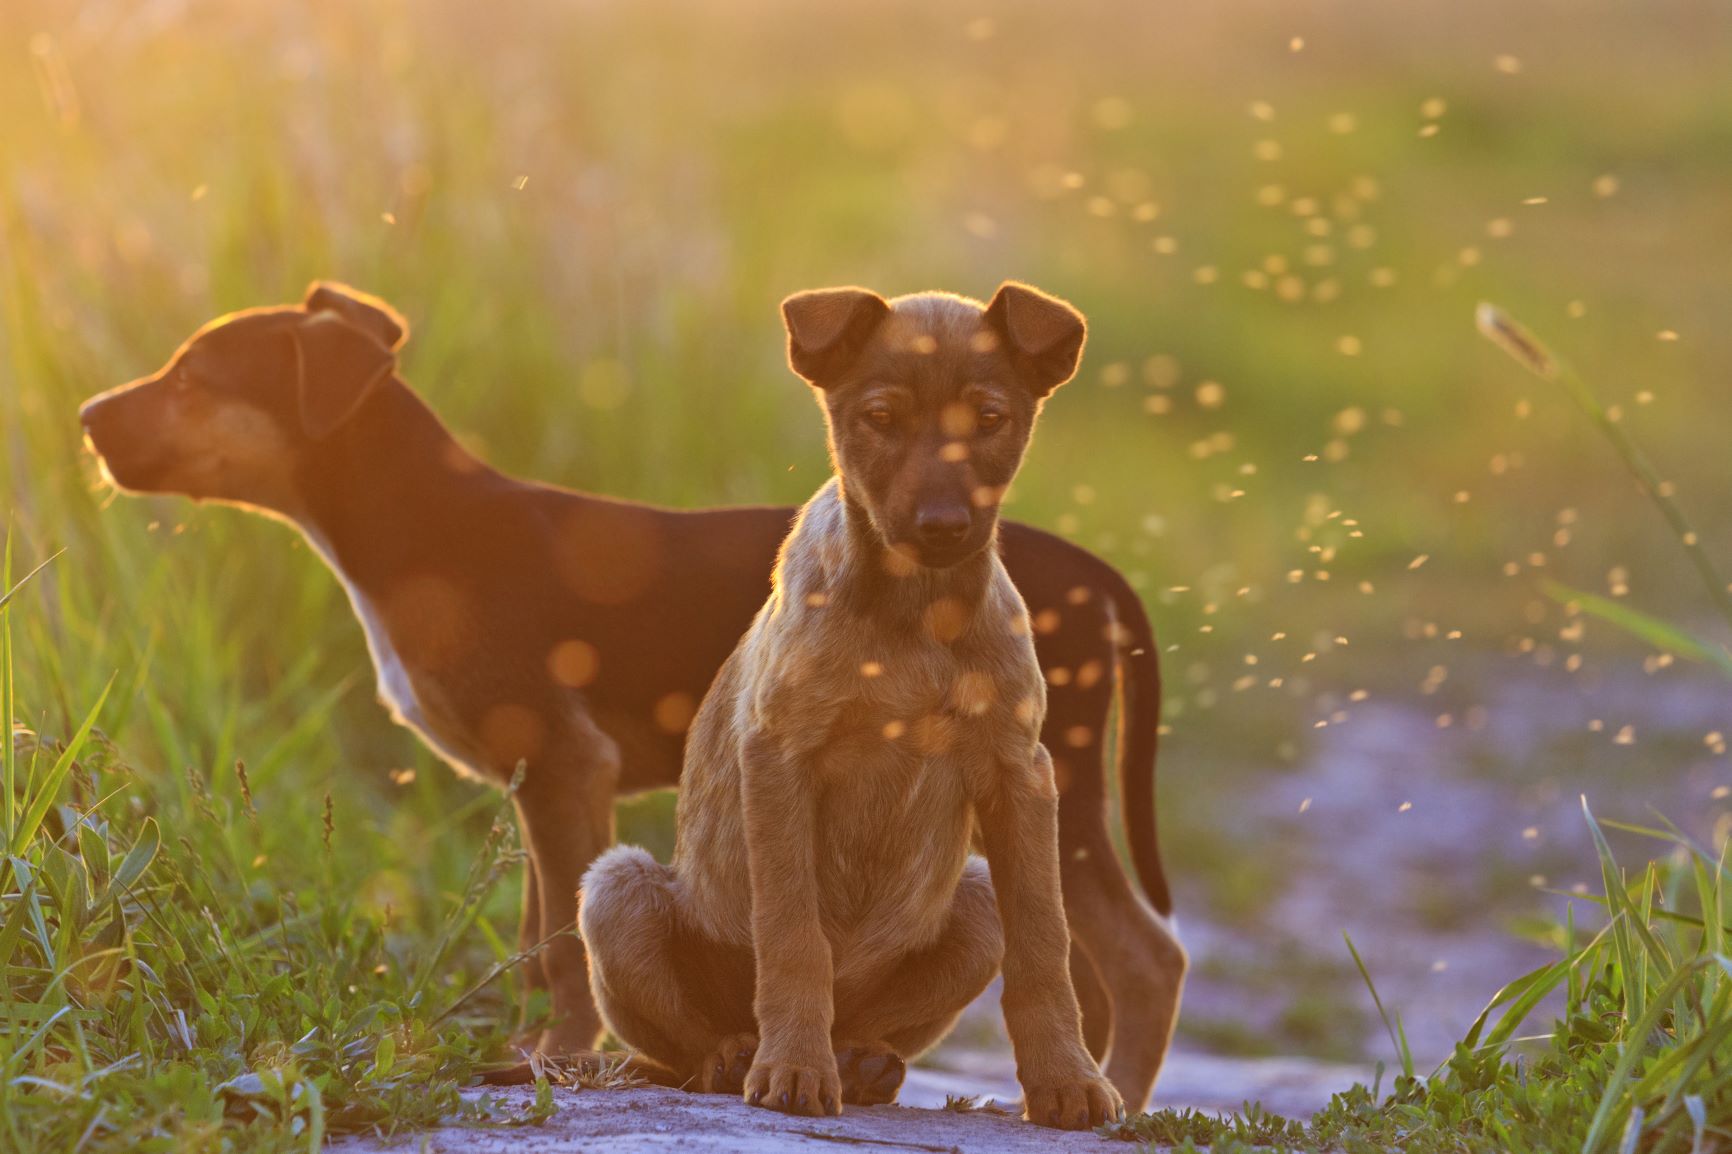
878, 416
990, 420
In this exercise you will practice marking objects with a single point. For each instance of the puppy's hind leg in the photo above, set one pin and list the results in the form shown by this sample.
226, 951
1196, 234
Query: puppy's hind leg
667, 992
905, 1011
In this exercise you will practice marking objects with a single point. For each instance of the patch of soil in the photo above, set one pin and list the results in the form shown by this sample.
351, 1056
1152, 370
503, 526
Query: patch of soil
652, 1119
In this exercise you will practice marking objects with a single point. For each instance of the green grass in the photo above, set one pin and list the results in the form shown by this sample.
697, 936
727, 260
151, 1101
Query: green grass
167, 984
685, 168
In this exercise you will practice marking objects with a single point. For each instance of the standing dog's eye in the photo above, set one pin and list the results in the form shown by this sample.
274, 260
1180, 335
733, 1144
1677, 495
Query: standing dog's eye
879, 416
990, 420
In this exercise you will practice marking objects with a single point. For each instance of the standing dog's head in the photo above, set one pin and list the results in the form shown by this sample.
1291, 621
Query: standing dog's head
245, 398
930, 401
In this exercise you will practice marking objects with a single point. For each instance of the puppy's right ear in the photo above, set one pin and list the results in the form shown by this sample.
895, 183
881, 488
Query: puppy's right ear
336, 366
1046, 334
826, 328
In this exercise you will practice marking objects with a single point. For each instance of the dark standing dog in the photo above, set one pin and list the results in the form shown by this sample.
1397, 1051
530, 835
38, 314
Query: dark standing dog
822, 911
512, 621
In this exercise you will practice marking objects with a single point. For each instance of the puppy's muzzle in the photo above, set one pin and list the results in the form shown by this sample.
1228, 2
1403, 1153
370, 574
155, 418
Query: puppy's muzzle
942, 528
942, 534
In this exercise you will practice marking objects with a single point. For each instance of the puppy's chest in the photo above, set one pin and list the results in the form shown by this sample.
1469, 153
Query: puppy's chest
925, 698
903, 737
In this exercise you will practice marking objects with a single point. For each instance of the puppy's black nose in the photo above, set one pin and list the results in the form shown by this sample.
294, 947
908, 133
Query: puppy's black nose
941, 526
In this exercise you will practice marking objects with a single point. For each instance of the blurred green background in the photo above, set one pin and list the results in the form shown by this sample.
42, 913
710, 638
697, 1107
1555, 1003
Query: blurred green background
1277, 216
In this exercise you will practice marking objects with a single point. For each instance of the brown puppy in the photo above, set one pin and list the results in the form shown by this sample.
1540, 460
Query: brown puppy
509, 620
884, 702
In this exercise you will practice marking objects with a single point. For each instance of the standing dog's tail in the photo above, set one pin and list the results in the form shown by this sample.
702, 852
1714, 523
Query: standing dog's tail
1139, 734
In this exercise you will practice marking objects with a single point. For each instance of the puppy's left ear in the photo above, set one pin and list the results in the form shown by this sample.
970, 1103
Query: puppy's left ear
336, 366
365, 311
1043, 334
826, 328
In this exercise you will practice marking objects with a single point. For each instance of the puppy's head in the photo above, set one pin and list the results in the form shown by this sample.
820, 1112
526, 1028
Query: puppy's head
930, 400
246, 398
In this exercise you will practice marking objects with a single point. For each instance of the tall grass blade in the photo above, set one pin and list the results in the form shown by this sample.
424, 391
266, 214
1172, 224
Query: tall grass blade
13, 591
1505, 332
49, 788
136, 861
1660, 634
8, 746
1397, 1036
1623, 913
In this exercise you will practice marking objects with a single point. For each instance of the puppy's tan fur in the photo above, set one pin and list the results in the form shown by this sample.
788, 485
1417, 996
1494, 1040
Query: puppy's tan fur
884, 707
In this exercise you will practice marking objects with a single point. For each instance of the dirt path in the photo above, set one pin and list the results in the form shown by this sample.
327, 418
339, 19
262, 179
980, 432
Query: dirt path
646, 1120
1441, 850
654, 1119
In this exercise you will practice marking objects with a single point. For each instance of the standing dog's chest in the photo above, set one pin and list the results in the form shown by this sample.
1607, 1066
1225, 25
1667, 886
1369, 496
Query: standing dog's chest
413, 699
396, 690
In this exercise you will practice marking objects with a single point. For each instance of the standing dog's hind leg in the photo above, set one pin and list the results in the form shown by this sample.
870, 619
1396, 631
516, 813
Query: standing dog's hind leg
1130, 1011
1096, 1003
1075, 729
1139, 959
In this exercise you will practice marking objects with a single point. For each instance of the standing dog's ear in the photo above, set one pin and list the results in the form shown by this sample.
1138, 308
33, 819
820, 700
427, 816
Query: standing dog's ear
363, 310
336, 366
826, 328
1043, 334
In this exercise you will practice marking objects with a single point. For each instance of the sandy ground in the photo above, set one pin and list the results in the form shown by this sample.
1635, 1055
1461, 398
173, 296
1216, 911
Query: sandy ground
654, 1119
649, 1119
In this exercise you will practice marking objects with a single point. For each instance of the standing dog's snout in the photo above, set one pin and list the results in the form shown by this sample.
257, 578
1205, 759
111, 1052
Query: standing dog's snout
107, 417
942, 526
91, 412
103, 423
122, 429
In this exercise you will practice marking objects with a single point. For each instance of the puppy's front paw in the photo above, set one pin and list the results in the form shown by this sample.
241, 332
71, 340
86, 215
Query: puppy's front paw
809, 1087
1078, 1102
724, 1070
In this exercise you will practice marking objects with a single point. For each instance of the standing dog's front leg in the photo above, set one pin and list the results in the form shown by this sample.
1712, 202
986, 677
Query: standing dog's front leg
565, 806
794, 1070
1062, 1086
